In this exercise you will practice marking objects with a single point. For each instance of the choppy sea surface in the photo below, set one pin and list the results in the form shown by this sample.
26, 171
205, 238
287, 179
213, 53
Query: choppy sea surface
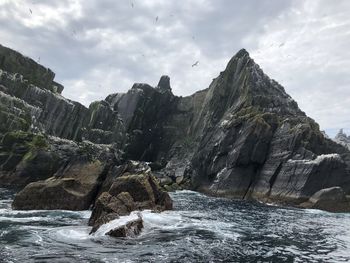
200, 229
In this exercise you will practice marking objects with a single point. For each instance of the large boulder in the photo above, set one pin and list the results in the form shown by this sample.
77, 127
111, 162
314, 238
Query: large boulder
330, 199
74, 187
108, 207
28, 157
129, 192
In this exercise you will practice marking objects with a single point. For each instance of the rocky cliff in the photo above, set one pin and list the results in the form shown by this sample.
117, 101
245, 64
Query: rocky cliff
31, 101
243, 137
256, 143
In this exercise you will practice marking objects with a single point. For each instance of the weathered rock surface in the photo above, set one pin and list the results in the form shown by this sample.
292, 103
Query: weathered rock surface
131, 229
74, 187
256, 142
331, 199
36, 74
129, 192
31, 101
26, 157
108, 208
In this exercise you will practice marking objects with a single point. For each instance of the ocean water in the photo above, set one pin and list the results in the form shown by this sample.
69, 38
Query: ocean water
200, 229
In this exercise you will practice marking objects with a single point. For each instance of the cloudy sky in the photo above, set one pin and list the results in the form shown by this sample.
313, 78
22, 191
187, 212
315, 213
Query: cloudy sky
98, 47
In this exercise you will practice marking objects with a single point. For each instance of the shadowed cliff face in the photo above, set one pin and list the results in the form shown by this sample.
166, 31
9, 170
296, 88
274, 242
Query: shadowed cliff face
243, 137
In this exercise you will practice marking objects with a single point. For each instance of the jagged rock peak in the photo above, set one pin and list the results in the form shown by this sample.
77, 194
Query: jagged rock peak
242, 53
164, 84
342, 138
240, 61
341, 133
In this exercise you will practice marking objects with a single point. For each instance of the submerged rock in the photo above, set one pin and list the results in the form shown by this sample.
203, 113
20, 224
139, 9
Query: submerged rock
331, 199
130, 229
108, 208
127, 193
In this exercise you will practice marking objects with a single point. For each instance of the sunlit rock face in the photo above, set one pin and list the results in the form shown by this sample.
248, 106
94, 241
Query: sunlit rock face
243, 137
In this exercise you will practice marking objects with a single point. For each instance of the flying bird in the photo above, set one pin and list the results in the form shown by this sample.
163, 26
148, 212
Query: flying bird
132, 5
195, 64
30, 10
282, 44
157, 19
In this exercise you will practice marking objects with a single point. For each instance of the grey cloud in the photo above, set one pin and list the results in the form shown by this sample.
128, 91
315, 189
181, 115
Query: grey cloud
102, 47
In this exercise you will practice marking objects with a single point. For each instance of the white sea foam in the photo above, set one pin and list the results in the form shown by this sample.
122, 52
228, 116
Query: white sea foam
74, 233
104, 229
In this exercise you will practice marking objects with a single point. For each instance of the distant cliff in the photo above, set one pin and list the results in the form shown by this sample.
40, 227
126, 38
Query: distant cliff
342, 138
243, 137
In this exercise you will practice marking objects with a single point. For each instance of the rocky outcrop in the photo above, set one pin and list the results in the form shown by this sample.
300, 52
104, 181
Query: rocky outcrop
145, 111
32, 101
256, 142
27, 157
331, 199
342, 139
34, 73
34, 108
135, 189
74, 187
130, 229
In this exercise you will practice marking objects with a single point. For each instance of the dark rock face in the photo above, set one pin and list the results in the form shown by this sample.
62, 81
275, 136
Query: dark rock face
26, 157
331, 199
129, 192
104, 125
145, 111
